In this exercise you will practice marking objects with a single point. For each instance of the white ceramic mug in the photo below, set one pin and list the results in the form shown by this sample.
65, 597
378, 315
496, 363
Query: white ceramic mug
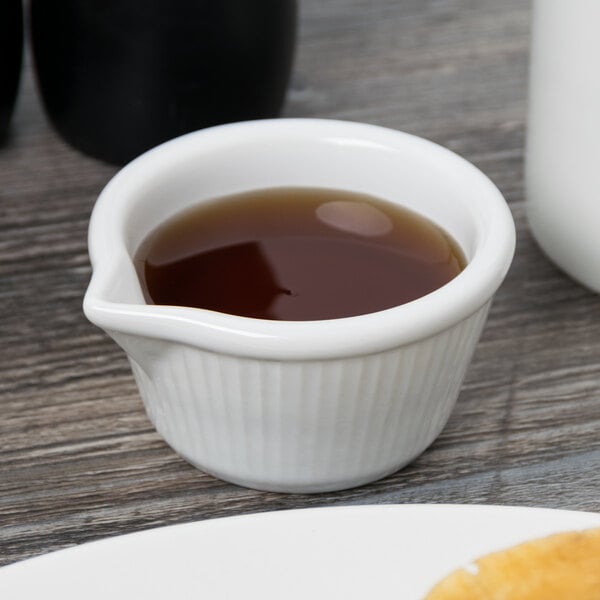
299, 406
563, 143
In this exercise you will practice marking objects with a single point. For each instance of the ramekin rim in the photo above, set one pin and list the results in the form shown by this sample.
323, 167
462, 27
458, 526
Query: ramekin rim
357, 335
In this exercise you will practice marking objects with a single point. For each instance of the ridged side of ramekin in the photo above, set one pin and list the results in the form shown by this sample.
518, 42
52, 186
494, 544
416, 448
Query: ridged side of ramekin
303, 426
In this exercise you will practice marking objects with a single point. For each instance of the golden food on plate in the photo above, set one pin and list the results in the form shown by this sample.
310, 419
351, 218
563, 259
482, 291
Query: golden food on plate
565, 566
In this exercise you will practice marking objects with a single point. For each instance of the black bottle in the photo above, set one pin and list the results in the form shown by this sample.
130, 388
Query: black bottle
11, 56
118, 77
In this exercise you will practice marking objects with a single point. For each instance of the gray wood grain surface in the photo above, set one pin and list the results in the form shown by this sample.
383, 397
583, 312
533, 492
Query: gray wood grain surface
79, 460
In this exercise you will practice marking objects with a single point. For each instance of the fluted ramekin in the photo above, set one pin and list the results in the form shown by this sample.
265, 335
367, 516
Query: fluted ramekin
299, 406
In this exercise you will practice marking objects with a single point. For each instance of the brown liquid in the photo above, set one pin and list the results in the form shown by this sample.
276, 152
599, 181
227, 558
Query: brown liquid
296, 254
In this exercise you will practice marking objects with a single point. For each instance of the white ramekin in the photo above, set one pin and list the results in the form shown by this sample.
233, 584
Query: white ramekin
299, 406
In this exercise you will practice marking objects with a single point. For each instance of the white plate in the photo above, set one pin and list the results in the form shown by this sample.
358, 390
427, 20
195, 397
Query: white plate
350, 552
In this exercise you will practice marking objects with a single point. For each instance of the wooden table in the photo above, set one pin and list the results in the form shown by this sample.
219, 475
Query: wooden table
79, 460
